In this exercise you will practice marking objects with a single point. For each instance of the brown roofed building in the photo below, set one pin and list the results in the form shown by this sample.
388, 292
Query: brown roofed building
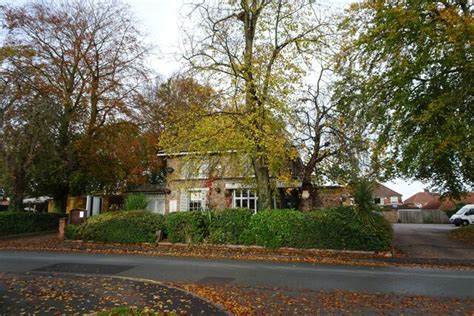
422, 199
385, 196
449, 204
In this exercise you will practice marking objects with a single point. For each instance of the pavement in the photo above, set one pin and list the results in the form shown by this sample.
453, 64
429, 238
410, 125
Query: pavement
389, 280
431, 241
53, 294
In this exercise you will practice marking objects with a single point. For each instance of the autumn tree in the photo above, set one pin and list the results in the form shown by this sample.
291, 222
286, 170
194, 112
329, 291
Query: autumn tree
407, 69
24, 114
329, 145
254, 53
87, 58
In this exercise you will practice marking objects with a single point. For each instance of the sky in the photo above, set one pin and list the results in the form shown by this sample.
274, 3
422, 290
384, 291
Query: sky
161, 21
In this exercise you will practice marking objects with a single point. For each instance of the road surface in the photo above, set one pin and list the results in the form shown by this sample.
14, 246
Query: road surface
404, 281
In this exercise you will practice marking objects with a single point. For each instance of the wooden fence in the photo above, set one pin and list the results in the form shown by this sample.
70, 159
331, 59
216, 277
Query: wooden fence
422, 216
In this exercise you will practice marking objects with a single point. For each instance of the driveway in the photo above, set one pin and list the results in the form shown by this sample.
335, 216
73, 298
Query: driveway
430, 241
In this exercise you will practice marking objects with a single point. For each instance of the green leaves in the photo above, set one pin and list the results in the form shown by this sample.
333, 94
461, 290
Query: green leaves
408, 72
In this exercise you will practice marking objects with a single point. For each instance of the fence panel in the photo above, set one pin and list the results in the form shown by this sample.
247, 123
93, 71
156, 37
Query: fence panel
410, 216
418, 216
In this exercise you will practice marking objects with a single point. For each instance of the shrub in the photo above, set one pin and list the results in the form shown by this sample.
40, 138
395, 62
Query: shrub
137, 201
123, 227
339, 228
228, 226
276, 228
25, 222
343, 228
71, 231
189, 227
453, 211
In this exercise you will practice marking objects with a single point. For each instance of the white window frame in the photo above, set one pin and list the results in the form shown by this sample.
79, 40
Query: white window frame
201, 201
238, 195
394, 200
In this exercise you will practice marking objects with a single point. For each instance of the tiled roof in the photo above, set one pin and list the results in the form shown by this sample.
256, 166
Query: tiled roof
422, 198
383, 191
449, 204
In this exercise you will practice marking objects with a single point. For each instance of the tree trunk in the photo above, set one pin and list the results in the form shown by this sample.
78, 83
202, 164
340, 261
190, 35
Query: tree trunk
16, 198
62, 202
16, 202
309, 197
263, 184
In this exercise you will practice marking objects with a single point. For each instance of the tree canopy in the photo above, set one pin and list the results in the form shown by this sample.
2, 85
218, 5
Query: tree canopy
407, 69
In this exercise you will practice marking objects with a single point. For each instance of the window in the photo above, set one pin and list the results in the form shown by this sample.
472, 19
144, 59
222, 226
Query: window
244, 198
394, 200
195, 170
195, 200
377, 201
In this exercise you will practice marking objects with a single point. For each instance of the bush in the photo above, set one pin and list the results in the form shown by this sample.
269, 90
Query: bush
12, 223
123, 227
136, 202
228, 226
453, 211
343, 228
338, 228
71, 231
189, 227
276, 228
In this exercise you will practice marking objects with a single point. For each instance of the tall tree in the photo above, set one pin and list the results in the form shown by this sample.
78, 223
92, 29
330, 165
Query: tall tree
328, 143
88, 58
24, 115
408, 70
255, 53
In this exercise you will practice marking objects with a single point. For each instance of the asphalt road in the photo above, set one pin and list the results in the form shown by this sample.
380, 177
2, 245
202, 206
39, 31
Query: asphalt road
405, 281
430, 241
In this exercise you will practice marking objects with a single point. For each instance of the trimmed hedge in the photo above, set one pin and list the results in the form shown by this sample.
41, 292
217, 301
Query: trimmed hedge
189, 227
338, 228
12, 223
123, 227
341, 228
344, 228
228, 226
276, 228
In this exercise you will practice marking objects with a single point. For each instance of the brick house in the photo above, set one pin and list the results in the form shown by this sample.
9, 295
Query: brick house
214, 181
422, 199
385, 196
433, 201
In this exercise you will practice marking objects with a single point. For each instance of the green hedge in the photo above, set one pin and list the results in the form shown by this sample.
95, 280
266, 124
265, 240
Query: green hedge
342, 228
276, 228
123, 227
12, 223
189, 227
337, 228
71, 231
228, 226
